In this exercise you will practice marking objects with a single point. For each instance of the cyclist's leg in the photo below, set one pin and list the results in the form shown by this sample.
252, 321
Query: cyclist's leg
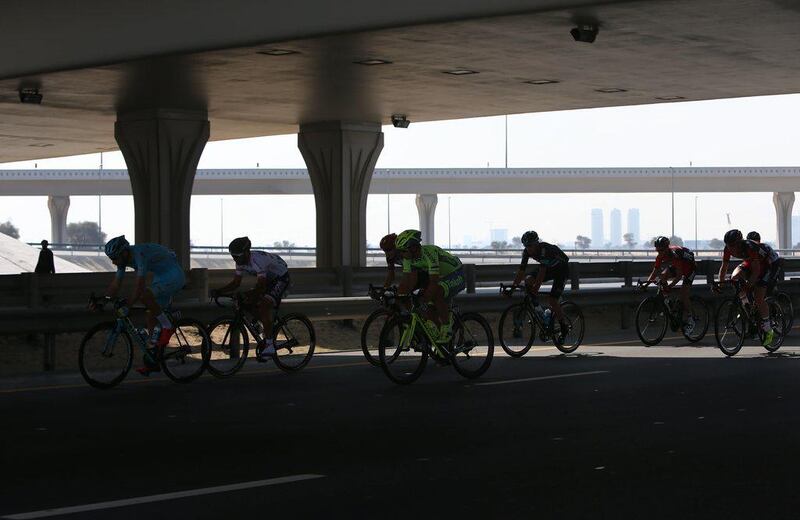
159, 297
271, 300
686, 292
559, 278
449, 287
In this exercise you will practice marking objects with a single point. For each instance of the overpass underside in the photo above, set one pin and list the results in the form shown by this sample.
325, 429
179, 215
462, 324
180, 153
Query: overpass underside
263, 69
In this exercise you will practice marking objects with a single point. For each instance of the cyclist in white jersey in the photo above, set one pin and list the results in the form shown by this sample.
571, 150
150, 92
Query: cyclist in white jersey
273, 280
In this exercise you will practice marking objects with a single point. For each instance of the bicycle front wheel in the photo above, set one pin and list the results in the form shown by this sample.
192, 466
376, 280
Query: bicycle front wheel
295, 340
105, 355
730, 327
473, 345
651, 320
570, 339
371, 334
700, 315
403, 352
230, 344
516, 330
186, 354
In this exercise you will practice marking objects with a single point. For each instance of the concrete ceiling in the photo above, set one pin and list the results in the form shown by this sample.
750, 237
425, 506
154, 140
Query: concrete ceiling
694, 49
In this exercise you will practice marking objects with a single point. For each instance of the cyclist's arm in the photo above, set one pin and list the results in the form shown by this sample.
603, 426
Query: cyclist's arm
652, 276
540, 276
723, 270
389, 280
260, 287
231, 286
113, 287
138, 290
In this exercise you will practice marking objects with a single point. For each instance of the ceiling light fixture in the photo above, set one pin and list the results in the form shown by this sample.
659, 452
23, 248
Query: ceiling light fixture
585, 32
372, 61
670, 98
541, 81
30, 95
277, 52
609, 90
400, 121
460, 72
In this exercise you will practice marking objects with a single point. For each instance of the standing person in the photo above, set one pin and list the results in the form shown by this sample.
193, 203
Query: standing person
674, 264
45, 265
168, 279
272, 281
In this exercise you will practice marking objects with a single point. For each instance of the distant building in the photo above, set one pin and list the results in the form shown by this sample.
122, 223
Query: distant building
795, 229
597, 237
498, 235
633, 225
615, 227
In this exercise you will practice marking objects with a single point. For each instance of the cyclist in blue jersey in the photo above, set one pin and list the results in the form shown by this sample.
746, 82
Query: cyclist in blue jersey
168, 279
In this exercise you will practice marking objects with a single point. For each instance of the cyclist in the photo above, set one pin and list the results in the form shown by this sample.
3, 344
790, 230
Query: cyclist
445, 278
553, 262
394, 259
674, 264
778, 266
759, 270
272, 281
168, 279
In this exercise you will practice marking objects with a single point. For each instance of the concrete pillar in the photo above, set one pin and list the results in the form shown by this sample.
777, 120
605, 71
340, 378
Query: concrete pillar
341, 158
426, 208
162, 149
59, 207
783, 210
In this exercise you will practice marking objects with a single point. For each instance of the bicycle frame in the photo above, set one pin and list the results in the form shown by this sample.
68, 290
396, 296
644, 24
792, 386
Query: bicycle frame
124, 323
242, 312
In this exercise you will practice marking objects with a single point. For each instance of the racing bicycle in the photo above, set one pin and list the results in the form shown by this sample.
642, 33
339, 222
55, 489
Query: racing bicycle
656, 313
738, 320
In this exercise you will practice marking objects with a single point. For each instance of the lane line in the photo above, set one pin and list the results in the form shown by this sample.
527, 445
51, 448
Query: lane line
161, 497
541, 378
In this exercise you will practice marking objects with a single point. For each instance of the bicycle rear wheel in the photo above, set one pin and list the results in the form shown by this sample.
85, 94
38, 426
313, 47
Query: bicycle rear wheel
295, 340
105, 355
371, 334
573, 336
403, 353
230, 344
652, 319
516, 330
785, 301
730, 327
473, 345
700, 314
186, 354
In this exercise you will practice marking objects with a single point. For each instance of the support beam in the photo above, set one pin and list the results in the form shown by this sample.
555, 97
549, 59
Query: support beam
59, 207
162, 149
783, 211
426, 208
341, 158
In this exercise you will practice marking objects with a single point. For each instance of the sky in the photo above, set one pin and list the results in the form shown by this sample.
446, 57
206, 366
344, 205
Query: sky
738, 132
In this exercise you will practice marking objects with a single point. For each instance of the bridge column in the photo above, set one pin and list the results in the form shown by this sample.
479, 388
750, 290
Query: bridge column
341, 158
59, 207
783, 210
162, 149
426, 207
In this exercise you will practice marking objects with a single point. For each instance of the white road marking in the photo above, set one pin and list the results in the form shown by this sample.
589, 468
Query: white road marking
159, 498
541, 378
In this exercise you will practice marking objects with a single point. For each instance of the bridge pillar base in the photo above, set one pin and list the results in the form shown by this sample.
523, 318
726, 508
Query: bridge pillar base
783, 210
59, 207
426, 207
341, 158
162, 149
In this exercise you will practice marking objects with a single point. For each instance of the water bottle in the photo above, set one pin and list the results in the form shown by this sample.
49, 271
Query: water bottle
548, 315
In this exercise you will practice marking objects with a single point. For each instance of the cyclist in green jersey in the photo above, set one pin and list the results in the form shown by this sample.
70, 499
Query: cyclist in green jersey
445, 277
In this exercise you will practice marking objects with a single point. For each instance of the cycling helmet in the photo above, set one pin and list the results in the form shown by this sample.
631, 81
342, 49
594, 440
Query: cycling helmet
116, 246
407, 239
387, 242
754, 235
239, 246
732, 237
529, 238
661, 242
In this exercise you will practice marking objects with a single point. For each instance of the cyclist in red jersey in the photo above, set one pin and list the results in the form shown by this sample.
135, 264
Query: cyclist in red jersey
759, 264
674, 264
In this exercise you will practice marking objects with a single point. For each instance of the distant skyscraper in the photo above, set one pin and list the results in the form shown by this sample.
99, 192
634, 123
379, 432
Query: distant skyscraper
795, 229
597, 228
633, 225
498, 235
616, 227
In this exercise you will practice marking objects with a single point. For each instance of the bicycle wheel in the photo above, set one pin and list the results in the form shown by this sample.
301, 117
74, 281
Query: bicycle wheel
371, 334
473, 345
730, 327
698, 310
516, 330
295, 340
230, 344
186, 355
573, 336
652, 318
777, 322
105, 355
785, 301
408, 349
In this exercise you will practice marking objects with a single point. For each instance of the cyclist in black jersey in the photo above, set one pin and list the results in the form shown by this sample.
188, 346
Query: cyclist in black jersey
553, 262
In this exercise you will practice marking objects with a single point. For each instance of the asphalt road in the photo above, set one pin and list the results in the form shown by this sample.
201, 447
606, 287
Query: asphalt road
609, 432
